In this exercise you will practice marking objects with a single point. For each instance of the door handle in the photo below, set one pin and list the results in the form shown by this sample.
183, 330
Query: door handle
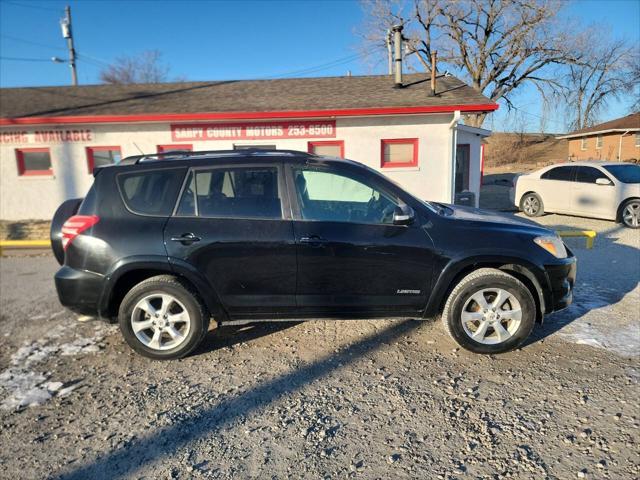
186, 238
313, 239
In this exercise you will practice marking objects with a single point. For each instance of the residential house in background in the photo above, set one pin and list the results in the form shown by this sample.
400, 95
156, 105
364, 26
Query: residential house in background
615, 140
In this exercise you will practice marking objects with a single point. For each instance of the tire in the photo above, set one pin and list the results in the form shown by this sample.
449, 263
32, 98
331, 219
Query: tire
531, 204
630, 214
487, 282
176, 306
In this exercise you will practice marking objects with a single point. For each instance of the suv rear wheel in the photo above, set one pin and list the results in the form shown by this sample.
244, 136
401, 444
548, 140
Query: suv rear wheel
489, 311
163, 319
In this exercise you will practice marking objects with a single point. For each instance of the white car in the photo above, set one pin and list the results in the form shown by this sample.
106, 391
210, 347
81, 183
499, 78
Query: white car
607, 190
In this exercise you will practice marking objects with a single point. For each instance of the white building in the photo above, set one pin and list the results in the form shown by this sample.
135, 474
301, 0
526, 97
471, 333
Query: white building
52, 137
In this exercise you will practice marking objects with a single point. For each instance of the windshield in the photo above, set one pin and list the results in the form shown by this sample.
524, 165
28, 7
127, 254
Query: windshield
625, 173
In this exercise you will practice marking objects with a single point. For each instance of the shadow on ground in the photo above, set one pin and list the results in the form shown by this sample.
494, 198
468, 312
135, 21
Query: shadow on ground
229, 335
124, 463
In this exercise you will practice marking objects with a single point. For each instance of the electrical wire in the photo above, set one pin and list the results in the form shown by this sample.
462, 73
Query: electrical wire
23, 59
31, 42
323, 66
36, 7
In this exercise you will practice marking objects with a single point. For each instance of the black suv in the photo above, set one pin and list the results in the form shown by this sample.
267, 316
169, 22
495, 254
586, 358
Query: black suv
165, 242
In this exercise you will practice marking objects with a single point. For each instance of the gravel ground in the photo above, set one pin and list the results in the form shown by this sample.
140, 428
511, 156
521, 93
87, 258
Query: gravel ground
364, 399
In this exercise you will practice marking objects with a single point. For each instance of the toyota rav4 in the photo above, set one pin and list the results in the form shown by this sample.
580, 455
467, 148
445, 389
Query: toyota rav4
167, 242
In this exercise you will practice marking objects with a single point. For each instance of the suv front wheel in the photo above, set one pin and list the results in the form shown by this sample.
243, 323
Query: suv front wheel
163, 319
489, 311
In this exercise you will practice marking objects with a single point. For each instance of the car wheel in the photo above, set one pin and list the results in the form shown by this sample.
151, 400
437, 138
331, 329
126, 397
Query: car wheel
489, 311
531, 204
162, 318
631, 214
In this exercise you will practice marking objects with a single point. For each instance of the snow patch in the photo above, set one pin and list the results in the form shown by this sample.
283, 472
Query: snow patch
22, 387
592, 320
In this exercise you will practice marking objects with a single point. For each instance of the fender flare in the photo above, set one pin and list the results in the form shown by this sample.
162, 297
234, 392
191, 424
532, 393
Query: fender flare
453, 270
162, 264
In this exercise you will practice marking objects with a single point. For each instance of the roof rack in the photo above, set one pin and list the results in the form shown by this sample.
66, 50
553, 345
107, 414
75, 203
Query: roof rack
188, 154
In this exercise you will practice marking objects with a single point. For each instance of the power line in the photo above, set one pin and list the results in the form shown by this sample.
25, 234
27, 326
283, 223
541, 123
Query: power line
322, 66
36, 7
23, 59
30, 42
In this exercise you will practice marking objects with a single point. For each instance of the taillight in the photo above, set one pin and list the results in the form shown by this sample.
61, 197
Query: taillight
75, 225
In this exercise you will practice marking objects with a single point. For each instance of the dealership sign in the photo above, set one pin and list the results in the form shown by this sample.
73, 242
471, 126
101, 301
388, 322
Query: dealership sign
254, 131
46, 136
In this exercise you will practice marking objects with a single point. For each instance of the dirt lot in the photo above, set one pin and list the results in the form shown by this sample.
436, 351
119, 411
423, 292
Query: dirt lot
363, 399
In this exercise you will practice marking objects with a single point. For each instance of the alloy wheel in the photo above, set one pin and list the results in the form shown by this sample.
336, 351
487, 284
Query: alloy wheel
531, 205
631, 215
160, 321
491, 316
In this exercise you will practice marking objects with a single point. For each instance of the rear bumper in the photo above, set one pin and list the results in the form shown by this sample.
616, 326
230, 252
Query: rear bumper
79, 290
562, 279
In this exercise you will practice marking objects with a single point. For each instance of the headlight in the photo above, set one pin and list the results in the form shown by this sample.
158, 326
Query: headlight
553, 245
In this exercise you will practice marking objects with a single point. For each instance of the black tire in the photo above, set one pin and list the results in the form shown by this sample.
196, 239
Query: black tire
629, 213
185, 295
531, 204
477, 281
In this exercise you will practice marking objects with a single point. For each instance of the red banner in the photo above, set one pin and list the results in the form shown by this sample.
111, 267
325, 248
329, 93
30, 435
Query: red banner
254, 131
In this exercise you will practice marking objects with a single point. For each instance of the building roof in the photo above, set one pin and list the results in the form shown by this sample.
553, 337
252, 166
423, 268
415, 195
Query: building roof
624, 124
297, 97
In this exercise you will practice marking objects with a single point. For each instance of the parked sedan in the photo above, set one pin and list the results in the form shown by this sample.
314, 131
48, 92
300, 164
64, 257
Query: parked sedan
610, 191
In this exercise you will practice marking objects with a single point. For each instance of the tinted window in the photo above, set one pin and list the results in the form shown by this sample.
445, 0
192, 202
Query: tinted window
151, 192
589, 174
625, 173
328, 196
559, 173
234, 192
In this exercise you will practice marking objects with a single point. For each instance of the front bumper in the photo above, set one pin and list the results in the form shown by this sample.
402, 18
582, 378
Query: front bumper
562, 279
79, 290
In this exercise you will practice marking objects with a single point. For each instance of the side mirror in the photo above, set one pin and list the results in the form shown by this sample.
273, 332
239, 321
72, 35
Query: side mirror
403, 215
603, 181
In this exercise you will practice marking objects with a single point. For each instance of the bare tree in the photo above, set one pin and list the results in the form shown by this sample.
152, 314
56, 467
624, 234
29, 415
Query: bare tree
498, 46
602, 72
146, 67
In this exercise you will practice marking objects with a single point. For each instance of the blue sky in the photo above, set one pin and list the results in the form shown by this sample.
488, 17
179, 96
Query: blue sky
205, 40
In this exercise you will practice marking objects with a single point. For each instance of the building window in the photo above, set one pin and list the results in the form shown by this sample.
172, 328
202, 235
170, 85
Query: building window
583, 143
334, 148
599, 141
637, 139
173, 148
34, 161
402, 152
100, 156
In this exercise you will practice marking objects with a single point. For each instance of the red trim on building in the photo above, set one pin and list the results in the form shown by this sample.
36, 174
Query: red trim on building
90, 150
173, 117
175, 146
412, 163
337, 143
22, 171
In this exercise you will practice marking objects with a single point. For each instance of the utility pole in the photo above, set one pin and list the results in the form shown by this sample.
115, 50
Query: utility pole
67, 33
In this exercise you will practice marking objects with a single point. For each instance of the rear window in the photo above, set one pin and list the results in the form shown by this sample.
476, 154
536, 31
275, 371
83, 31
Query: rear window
233, 192
151, 192
559, 173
